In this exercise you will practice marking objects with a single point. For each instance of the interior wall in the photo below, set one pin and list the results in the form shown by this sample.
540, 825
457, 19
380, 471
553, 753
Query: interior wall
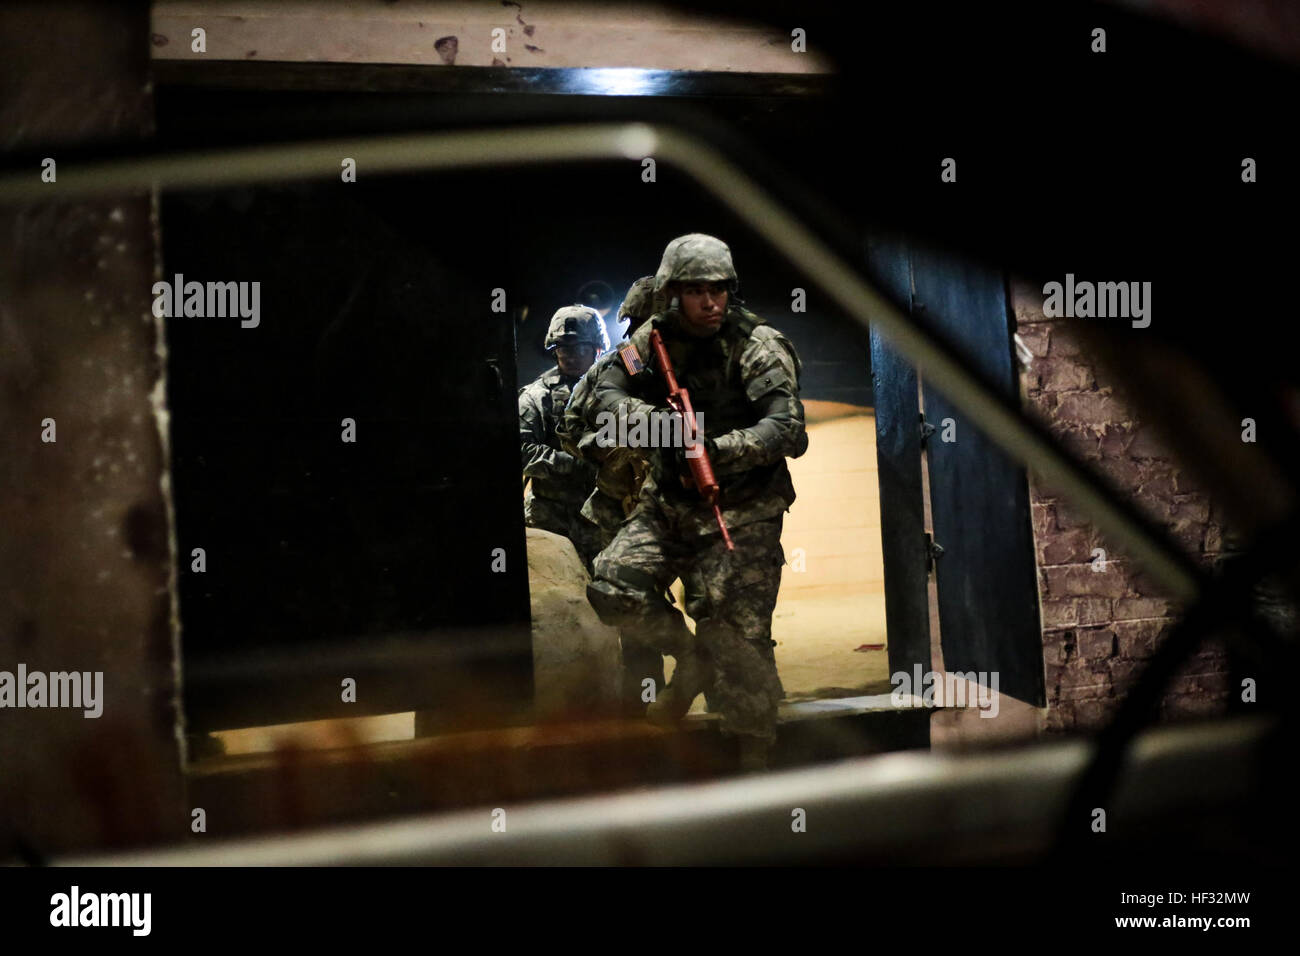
1102, 622
829, 622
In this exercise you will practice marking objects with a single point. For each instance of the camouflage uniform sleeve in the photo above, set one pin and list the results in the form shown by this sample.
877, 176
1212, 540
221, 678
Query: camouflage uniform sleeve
540, 460
612, 391
770, 371
572, 425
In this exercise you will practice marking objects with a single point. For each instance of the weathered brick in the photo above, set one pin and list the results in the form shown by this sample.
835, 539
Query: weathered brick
1192, 508
1148, 444
1057, 613
1080, 443
1027, 302
1114, 440
1094, 610
1065, 342
1065, 639
1044, 518
1190, 535
1081, 679
1213, 538
1067, 547
1161, 509
1062, 375
1060, 719
1123, 673
1090, 408
1067, 518
1043, 406
1096, 644
1157, 480
1074, 693
1138, 639
1079, 580
1100, 628
1124, 473
1132, 608
1141, 583
1037, 339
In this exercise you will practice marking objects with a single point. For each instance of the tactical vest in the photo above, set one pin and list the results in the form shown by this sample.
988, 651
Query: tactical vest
566, 489
709, 369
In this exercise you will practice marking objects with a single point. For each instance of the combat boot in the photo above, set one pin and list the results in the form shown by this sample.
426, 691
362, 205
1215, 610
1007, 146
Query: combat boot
692, 675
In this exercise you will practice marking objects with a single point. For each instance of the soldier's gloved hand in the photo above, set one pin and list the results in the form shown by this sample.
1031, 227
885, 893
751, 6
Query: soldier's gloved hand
723, 450
698, 449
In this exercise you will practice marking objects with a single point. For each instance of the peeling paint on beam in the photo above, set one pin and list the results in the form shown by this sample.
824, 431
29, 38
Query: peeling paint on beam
537, 34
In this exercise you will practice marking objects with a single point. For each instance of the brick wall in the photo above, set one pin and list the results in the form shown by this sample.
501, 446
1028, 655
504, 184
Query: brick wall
1099, 627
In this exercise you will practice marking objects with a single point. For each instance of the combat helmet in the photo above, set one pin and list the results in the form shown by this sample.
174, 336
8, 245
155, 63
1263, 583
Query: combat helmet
576, 325
696, 257
638, 304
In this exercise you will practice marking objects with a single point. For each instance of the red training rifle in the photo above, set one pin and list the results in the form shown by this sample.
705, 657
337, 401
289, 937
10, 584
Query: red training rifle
679, 400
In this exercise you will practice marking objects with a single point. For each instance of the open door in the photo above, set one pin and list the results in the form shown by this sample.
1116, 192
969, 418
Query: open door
986, 579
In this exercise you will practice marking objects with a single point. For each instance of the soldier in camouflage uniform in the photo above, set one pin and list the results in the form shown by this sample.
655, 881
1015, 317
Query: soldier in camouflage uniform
618, 484
621, 469
560, 482
743, 377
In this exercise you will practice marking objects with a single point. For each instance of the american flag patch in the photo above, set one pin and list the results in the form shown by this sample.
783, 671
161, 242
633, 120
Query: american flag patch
631, 358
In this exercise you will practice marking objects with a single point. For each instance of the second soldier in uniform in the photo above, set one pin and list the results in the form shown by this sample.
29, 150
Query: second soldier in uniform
618, 485
561, 482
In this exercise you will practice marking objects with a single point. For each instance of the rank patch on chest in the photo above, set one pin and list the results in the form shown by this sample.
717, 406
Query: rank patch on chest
631, 358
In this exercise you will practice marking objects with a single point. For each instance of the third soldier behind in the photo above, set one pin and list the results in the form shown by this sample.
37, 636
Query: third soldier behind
743, 377
561, 482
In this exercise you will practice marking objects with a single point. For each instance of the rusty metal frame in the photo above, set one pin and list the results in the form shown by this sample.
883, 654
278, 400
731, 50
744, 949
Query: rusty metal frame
908, 808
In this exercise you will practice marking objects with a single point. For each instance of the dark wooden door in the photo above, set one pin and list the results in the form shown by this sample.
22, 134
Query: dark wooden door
986, 579
898, 456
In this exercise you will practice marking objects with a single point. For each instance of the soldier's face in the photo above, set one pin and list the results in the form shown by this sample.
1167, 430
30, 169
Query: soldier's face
703, 306
574, 360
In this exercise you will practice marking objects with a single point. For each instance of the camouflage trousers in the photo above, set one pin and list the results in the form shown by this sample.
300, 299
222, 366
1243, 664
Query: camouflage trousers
731, 595
563, 518
641, 662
